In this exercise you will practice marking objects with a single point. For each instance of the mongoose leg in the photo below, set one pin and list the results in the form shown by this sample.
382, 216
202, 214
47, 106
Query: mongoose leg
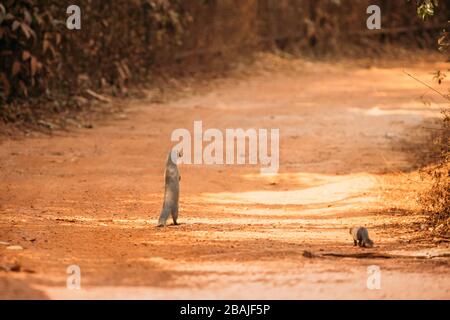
360, 243
355, 243
163, 216
175, 215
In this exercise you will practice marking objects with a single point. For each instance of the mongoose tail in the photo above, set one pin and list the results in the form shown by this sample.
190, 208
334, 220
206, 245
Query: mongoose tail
171, 190
361, 237
164, 216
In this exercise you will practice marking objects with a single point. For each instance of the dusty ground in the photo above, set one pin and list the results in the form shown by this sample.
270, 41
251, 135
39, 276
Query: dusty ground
91, 197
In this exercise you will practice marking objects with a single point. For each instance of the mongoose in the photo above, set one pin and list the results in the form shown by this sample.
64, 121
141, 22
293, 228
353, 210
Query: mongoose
172, 189
361, 237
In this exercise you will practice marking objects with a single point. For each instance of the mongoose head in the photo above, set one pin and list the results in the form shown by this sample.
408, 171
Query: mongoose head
175, 155
368, 243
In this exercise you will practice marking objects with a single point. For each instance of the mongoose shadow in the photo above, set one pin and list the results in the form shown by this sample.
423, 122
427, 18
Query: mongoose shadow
171, 189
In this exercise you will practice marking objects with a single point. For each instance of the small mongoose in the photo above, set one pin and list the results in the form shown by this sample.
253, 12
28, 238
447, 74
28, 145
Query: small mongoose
172, 189
361, 237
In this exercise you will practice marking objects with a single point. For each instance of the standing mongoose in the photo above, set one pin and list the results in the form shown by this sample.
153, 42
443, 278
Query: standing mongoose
361, 237
172, 189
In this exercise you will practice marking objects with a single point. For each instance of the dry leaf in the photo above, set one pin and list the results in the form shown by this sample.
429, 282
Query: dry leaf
26, 30
33, 66
15, 25
27, 16
122, 74
58, 38
15, 68
126, 69
6, 85
45, 45
98, 96
23, 87
26, 55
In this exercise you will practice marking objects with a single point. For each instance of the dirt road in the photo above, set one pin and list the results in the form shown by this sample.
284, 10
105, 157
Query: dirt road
91, 197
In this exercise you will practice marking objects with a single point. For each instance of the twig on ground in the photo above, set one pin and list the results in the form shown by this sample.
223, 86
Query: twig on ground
428, 86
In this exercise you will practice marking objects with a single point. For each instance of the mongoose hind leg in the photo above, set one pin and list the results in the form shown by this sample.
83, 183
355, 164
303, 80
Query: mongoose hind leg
163, 216
175, 215
355, 243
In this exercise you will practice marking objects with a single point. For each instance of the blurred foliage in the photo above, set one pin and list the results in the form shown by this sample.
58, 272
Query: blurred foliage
122, 42
118, 40
436, 200
426, 8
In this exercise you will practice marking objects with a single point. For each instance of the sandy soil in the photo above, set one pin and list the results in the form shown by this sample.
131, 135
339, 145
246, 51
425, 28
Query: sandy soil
91, 197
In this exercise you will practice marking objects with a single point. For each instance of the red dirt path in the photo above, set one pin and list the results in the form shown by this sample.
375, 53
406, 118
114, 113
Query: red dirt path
92, 197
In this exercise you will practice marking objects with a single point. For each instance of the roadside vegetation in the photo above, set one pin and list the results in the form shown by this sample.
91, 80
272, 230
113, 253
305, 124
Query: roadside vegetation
47, 69
436, 199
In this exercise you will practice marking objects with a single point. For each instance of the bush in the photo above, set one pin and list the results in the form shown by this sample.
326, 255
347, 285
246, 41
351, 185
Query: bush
123, 41
436, 200
117, 41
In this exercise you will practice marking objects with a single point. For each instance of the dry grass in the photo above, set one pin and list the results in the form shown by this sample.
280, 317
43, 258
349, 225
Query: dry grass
436, 200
